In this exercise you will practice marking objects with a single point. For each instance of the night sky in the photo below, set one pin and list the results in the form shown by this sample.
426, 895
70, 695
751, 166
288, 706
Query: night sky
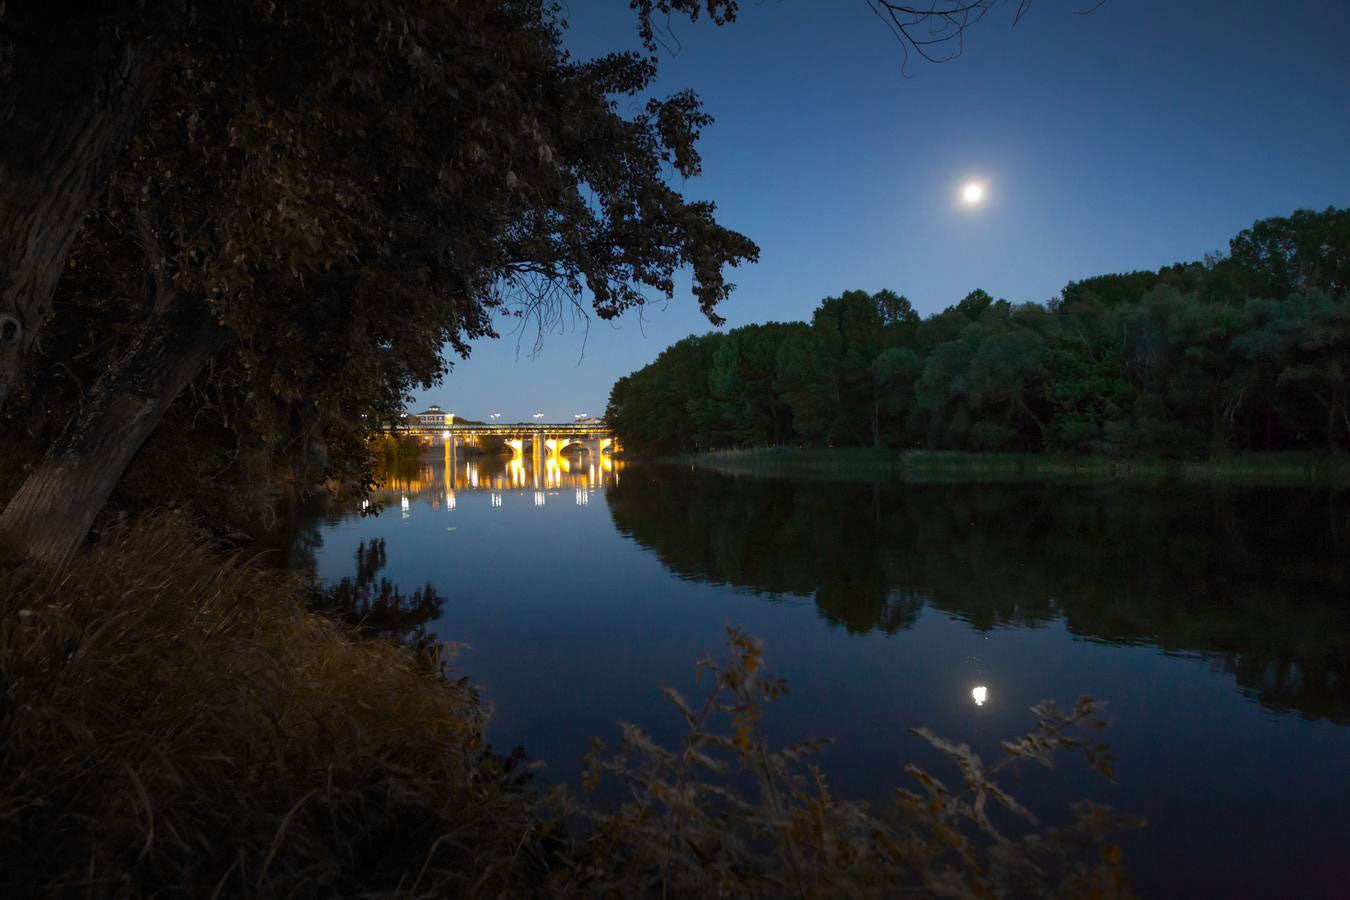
1144, 133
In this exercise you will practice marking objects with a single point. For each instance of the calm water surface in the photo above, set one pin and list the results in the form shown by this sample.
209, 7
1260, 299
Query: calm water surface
1216, 622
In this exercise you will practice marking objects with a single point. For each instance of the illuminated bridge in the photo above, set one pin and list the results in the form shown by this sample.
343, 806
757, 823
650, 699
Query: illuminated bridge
545, 439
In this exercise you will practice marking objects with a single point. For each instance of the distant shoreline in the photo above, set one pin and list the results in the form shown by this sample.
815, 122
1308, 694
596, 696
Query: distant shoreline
925, 466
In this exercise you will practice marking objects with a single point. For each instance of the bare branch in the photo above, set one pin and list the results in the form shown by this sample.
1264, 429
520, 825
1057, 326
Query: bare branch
936, 30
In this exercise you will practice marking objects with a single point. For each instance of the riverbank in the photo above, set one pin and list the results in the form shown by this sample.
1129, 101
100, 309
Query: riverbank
174, 719
922, 466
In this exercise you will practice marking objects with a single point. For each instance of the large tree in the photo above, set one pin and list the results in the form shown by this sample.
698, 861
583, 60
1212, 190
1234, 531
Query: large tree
74, 78
325, 194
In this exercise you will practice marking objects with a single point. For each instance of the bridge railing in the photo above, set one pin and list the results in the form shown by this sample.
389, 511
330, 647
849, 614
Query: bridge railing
507, 430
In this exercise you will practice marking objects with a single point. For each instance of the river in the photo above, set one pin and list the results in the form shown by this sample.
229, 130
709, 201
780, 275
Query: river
1215, 622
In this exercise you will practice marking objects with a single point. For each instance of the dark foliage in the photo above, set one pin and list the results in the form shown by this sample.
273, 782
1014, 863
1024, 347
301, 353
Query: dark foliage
345, 189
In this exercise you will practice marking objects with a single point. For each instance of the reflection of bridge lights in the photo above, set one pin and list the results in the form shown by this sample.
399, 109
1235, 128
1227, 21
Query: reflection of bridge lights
449, 500
496, 499
582, 497
980, 694
405, 506
538, 498
471, 470
365, 504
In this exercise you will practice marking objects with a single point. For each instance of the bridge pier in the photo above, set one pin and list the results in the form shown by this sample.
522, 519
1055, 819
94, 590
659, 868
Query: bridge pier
548, 442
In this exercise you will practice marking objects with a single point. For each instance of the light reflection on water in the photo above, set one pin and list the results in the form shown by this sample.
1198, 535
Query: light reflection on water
1214, 622
438, 481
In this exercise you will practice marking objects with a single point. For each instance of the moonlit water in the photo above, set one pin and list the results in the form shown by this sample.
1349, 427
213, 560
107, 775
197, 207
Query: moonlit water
1213, 621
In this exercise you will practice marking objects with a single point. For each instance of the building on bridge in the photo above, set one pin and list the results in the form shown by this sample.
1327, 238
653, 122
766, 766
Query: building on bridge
432, 417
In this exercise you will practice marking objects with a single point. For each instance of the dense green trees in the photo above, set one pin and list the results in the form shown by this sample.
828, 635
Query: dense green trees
1250, 351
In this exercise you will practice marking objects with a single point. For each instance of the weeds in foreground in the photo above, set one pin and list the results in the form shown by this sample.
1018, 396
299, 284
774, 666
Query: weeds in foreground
726, 815
176, 722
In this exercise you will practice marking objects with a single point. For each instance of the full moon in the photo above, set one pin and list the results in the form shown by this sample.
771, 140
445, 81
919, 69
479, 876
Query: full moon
972, 193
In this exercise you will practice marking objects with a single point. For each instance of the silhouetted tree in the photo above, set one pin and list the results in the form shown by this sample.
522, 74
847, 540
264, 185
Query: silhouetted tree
340, 189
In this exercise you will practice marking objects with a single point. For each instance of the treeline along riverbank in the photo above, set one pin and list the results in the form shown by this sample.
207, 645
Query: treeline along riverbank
1245, 352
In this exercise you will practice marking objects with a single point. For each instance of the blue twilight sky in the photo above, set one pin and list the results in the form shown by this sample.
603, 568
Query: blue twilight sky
1147, 132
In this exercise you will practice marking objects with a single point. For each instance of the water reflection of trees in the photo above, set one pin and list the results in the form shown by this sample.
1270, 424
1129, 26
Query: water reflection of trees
1255, 580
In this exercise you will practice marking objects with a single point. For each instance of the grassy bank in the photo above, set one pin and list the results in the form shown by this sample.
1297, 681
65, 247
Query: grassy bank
173, 720
865, 464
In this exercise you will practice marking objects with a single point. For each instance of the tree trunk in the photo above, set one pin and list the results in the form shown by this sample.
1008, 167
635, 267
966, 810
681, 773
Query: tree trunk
74, 79
1331, 426
53, 510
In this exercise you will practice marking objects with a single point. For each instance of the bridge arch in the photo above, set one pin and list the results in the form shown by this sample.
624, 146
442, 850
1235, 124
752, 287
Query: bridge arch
576, 444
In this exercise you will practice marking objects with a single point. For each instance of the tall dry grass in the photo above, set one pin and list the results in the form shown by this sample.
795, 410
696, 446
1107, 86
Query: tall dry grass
174, 721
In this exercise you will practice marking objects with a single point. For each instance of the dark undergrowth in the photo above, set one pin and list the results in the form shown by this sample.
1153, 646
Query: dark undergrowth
177, 721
